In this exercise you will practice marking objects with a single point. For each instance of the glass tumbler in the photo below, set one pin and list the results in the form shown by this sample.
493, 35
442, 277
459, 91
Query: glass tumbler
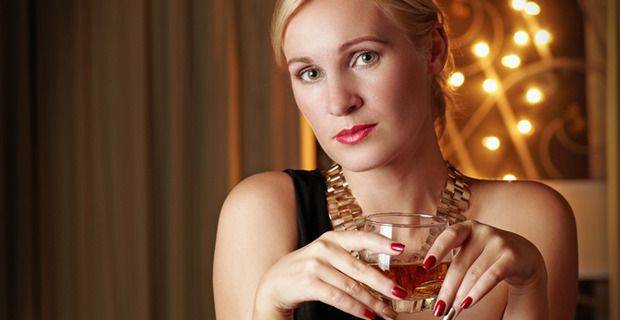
417, 231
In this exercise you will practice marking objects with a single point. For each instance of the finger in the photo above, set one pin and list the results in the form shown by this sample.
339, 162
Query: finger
456, 272
495, 274
452, 237
355, 289
333, 296
356, 240
472, 276
362, 272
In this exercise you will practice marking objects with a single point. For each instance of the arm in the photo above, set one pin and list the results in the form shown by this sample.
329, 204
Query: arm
531, 247
256, 227
555, 236
258, 274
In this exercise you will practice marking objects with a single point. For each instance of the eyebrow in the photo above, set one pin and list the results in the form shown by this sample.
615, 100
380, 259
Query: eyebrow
342, 48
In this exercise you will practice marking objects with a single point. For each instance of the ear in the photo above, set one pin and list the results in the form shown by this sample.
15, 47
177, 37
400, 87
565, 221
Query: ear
438, 50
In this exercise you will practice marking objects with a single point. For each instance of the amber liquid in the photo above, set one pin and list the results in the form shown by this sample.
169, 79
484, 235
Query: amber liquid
418, 281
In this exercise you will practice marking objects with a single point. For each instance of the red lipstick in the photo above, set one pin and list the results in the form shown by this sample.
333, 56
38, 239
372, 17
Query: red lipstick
356, 134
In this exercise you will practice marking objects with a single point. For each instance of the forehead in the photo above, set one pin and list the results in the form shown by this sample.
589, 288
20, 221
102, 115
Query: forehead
323, 25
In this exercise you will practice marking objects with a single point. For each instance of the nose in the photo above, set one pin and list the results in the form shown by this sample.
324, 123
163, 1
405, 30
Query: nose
342, 97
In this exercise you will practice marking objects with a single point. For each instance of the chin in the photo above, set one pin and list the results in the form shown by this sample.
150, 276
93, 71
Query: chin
359, 160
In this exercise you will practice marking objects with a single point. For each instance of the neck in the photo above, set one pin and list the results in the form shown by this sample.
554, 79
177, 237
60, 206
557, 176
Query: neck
412, 182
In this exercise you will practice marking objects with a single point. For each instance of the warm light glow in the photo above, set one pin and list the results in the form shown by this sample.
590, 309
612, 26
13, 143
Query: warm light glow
456, 79
491, 142
542, 37
521, 38
511, 61
489, 85
532, 8
481, 49
525, 126
509, 177
519, 4
534, 95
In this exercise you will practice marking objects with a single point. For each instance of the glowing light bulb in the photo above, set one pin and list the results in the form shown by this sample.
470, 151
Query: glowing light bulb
511, 61
509, 177
491, 142
519, 4
534, 95
532, 8
521, 38
525, 126
490, 85
481, 49
457, 79
542, 37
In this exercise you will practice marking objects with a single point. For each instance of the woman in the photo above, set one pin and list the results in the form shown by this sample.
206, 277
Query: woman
369, 76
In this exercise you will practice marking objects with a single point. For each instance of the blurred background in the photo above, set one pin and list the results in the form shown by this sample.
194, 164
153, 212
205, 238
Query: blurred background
124, 124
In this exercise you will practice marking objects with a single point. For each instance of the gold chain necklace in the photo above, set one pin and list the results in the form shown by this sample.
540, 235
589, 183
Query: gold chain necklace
346, 214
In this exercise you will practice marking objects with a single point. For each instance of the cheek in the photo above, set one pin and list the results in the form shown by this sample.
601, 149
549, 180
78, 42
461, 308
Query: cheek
309, 106
402, 93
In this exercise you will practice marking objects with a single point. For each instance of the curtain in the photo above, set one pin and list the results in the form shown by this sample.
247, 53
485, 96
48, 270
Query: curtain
123, 125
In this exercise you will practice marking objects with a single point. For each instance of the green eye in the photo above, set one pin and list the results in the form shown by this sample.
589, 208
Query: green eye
367, 57
309, 75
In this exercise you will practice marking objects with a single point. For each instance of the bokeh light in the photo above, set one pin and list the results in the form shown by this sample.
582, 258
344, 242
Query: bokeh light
481, 49
532, 8
490, 85
534, 95
491, 142
525, 126
542, 37
511, 61
456, 79
519, 4
521, 38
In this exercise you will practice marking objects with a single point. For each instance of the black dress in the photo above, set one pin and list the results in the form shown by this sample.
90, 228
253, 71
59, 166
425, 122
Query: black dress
312, 221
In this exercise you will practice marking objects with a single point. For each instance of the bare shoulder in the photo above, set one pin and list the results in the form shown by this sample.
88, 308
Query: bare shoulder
257, 226
519, 204
264, 201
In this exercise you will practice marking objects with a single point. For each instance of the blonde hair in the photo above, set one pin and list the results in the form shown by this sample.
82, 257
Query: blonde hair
417, 18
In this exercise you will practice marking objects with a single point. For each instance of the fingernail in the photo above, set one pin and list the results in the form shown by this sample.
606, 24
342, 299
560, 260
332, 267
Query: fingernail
429, 262
370, 314
440, 306
399, 247
466, 303
399, 292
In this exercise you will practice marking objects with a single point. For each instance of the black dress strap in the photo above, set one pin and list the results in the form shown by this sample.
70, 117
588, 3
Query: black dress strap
312, 221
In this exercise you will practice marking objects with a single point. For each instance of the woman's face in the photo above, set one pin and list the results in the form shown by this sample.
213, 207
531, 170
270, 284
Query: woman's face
350, 65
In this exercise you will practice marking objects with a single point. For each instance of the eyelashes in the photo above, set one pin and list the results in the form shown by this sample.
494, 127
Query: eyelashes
373, 56
364, 58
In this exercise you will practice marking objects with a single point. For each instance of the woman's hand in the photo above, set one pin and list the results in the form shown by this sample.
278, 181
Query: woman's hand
324, 270
486, 257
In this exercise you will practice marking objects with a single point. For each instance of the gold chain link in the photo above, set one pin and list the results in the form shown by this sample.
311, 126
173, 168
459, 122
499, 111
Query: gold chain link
346, 214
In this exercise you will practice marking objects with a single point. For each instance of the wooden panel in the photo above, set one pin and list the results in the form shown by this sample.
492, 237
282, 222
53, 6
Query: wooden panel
613, 174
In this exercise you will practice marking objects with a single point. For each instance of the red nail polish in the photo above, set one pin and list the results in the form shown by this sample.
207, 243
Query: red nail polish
429, 262
399, 292
370, 314
466, 303
398, 247
440, 306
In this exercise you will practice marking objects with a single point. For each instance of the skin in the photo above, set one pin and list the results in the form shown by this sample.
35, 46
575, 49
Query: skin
508, 263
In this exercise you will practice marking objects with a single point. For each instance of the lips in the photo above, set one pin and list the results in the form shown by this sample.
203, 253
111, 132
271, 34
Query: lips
355, 134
